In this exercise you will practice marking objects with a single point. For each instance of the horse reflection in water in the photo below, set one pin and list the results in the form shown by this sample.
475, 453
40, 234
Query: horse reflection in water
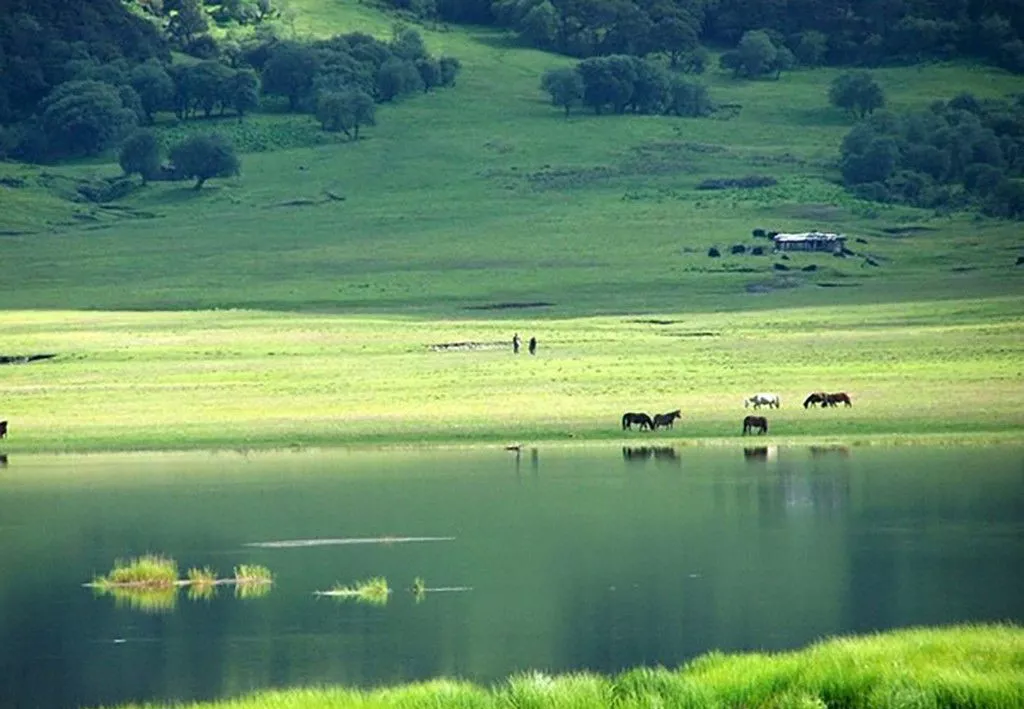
838, 451
641, 454
760, 454
3, 460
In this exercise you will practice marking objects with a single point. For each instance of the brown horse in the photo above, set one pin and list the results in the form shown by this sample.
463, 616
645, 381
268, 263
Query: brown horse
838, 398
628, 419
818, 397
666, 419
752, 422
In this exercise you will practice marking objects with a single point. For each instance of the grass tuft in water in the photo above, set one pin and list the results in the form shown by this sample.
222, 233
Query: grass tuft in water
252, 574
148, 570
419, 588
375, 591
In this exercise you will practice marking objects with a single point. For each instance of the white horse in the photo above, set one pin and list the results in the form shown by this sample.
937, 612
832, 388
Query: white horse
772, 401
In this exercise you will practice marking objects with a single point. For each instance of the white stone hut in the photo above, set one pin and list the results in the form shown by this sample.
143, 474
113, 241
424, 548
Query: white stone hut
810, 241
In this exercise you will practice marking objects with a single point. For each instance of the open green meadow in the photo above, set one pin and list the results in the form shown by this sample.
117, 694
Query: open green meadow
261, 312
139, 381
960, 666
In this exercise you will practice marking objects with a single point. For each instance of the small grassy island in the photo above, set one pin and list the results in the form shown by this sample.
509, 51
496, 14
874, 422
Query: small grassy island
969, 666
150, 583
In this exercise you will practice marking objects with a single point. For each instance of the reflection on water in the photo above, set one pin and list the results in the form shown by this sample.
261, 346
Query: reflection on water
146, 600
640, 454
590, 566
836, 450
3, 460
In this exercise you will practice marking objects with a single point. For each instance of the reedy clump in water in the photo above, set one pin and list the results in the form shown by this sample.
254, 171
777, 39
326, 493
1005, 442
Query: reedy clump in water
374, 590
147, 570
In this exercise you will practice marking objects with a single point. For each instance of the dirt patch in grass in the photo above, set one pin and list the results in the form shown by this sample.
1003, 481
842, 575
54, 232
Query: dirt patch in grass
906, 230
24, 359
510, 306
467, 346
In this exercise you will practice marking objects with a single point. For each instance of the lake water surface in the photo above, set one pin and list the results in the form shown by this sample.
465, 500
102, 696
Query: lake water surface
595, 558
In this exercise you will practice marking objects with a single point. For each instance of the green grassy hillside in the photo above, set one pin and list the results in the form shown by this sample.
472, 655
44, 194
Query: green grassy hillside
484, 195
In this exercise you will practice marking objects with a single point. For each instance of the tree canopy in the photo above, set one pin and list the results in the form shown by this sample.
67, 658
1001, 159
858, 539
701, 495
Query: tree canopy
203, 157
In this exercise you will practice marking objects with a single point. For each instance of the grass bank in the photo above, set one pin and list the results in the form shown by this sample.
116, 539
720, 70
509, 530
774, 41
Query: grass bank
961, 666
242, 379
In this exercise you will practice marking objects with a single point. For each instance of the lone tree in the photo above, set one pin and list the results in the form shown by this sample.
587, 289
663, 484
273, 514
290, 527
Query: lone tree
857, 93
203, 157
565, 86
140, 153
345, 111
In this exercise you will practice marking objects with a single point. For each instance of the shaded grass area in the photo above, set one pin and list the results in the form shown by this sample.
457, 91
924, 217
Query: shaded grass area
963, 666
149, 381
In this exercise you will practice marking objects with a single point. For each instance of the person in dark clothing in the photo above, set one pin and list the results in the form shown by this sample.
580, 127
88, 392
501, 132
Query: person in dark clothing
533, 345
515, 343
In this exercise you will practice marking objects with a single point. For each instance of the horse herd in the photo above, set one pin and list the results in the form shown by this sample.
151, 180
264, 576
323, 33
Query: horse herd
750, 423
651, 424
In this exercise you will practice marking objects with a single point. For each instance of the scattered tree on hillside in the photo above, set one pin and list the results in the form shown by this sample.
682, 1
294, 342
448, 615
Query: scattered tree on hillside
858, 93
675, 35
187, 22
956, 153
140, 154
396, 77
85, 118
345, 111
204, 157
154, 86
290, 72
565, 86
450, 68
757, 55
626, 84
242, 91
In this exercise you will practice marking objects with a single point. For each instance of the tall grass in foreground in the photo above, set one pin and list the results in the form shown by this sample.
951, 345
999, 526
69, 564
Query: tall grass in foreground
967, 666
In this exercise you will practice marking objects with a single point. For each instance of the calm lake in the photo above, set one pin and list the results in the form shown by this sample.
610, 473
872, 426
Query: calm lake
591, 558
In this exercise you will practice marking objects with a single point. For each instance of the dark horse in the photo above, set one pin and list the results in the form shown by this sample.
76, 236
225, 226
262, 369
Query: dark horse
817, 397
838, 398
666, 419
643, 419
752, 422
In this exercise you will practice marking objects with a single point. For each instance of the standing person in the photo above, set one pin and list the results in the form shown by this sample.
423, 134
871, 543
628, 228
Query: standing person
515, 343
533, 345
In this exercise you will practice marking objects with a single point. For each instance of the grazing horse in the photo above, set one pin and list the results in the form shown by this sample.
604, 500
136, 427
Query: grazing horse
772, 401
838, 398
752, 422
644, 420
3, 429
666, 419
816, 398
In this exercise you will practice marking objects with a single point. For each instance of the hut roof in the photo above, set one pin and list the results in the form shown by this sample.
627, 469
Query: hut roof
810, 236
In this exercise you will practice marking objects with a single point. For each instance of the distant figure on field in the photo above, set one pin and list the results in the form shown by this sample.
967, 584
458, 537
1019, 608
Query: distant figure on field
3, 429
533, 345
515, 343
